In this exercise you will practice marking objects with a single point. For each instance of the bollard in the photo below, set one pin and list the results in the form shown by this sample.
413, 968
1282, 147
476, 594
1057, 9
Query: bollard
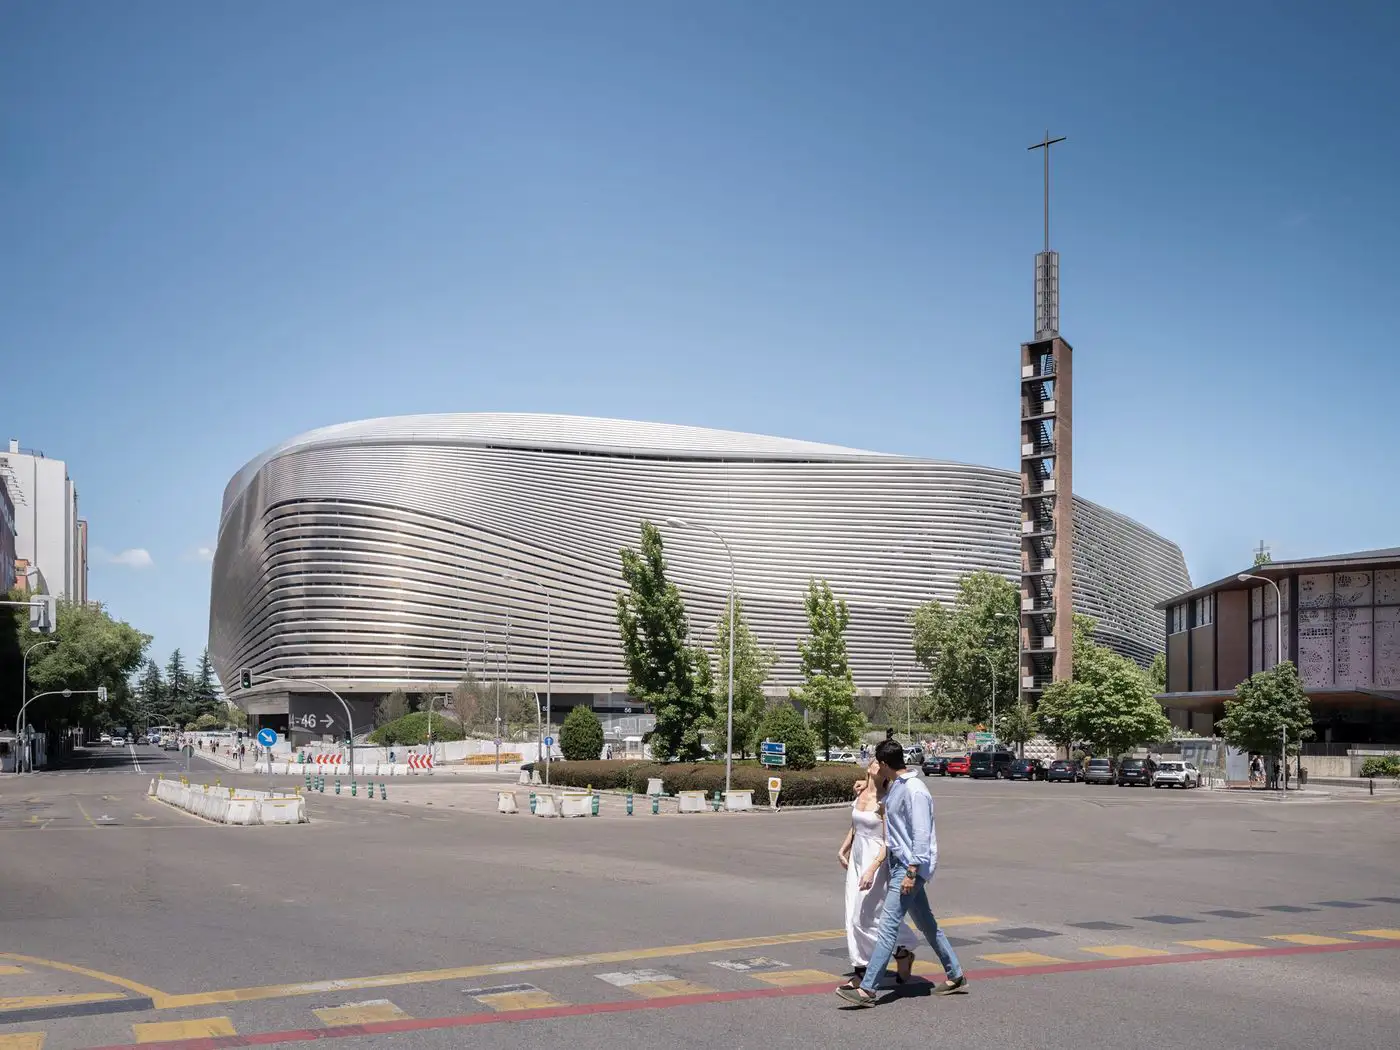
597, 801
353, 786
1373, 785
383, 791
532, 803
337, 785
629, 803
308, 781
370, 792
656, 803
716, 803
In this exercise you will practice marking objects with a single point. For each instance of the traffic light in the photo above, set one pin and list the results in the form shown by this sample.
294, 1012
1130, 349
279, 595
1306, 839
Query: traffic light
246, 679
101, 694
43, 613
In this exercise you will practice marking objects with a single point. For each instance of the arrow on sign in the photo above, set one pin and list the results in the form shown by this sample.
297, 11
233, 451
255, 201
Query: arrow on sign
327, 721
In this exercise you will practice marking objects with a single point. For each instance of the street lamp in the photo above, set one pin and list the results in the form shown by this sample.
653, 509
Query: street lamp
992, 666
548, 663
1245, 577
680, 523
24, 689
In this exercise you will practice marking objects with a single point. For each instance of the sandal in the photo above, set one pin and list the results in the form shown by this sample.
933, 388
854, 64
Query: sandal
904, 965
856, 996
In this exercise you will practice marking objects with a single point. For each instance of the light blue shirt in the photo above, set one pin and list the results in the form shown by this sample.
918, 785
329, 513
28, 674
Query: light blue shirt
909, 833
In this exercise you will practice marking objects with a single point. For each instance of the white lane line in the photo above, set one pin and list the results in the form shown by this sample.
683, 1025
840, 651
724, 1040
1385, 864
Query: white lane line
134, 760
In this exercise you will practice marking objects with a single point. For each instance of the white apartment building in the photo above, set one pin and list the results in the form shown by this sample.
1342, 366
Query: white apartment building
49, 535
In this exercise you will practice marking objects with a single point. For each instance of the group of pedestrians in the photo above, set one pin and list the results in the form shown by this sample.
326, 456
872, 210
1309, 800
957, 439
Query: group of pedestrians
889, 855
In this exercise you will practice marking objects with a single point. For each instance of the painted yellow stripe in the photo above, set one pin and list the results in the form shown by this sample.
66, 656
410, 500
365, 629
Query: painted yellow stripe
360, 1013
159, 1031
665, 989
1125, 951
967, 920
1022, 958
22, 1041
23, 1002
796, 978
1309, 939
1212, 944
97, 975
1389, 935
7, 971
534, 999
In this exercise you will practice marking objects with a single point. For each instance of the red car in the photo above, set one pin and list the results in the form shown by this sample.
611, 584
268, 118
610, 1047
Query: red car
960, 766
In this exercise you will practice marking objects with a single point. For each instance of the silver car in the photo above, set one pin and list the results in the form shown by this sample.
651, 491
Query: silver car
1177, 774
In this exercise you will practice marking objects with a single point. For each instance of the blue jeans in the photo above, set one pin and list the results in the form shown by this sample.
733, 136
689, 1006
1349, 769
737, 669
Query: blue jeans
914, 904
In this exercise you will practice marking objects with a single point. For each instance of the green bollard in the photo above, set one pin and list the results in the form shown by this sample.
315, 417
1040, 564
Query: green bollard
337, 785
370, 792
532, 803
353, 786
629, 803
717, 804
656, 803
308, 781
383, 791
321, 785
597, 801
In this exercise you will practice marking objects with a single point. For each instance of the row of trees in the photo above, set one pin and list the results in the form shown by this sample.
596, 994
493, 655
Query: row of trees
472, 706
178, 697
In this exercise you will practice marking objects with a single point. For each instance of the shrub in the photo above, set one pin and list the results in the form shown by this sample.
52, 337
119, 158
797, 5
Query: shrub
782, 722
831, 783
1381, 766
413, 729
581, 736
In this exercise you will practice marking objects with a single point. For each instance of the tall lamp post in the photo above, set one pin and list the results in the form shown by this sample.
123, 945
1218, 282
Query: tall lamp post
548, 663
680, 523
1245, 577
992, 667
23, 691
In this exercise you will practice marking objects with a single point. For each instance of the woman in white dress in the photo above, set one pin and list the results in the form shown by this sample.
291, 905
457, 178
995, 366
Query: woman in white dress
867, 879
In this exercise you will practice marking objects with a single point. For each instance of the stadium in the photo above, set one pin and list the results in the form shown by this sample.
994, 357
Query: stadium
403, 552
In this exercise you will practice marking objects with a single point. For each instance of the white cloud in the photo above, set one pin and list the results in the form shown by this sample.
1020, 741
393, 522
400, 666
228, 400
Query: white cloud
134, 558
202, 554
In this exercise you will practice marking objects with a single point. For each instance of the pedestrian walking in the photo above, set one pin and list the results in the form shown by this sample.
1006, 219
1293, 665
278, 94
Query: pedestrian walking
913, 855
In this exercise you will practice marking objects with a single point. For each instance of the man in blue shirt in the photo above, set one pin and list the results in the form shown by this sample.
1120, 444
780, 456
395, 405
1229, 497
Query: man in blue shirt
913, 853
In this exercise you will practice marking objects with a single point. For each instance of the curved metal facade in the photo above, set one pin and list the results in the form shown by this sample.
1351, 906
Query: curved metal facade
371, 555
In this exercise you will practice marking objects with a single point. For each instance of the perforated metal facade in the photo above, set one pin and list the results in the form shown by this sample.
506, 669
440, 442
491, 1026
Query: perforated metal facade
371, 555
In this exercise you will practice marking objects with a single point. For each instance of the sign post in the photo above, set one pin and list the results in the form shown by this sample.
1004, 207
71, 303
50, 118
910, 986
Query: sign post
772, 753
268, 739
775, 785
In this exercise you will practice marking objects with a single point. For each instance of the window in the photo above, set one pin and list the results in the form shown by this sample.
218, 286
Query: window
1178, 618
1204, 611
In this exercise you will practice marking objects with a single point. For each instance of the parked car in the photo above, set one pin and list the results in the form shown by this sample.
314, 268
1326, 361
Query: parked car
1177, 774
936, 766
1064, 769
1100, 771
1026, 769
959, 766
993, 764
1136, 771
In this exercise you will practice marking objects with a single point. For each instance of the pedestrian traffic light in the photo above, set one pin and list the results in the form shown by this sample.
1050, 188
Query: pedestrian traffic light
101, 694
246, 679
43, 613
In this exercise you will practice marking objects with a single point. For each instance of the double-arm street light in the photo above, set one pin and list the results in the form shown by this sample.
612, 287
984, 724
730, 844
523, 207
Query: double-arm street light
681, 523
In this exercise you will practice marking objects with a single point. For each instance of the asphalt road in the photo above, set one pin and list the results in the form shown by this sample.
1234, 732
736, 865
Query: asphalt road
1086, 916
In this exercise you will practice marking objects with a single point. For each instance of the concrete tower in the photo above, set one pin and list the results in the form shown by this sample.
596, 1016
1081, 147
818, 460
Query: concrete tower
1047, 469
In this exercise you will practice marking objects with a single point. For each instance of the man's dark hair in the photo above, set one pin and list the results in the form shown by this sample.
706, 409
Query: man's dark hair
891, 753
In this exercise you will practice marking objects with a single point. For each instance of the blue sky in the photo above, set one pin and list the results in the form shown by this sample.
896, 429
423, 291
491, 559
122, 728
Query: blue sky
224, 224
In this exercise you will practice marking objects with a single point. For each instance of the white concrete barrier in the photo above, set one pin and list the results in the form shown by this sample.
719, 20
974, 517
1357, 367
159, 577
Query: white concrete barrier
655, 786
738, 801
506, 803
576, 804
693, 802
544, 805
282, 809
228, 806
242, 809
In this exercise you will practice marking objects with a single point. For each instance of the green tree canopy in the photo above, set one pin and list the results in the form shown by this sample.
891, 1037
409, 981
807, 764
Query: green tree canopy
204, 690
178, 691
661, 665
782, 722
151, 697
1016, 725
1157, 674
752, 664
954, 644
581, 735
830, 691
412, 729
393, 707
1264, 705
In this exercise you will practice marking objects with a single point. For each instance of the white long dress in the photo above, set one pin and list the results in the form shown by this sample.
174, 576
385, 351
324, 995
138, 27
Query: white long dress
863, 907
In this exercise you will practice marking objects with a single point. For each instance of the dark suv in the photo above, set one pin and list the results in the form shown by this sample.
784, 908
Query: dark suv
992, 764
1136, 771
1100, 771
1026, 769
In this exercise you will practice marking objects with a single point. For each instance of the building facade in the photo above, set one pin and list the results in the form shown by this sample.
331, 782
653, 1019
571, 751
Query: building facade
400, 553
47, 529
7, 538
1339, 623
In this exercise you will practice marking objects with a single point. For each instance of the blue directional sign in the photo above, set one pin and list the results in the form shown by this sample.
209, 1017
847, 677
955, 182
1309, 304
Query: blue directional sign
267, 737
772, 753
549, 741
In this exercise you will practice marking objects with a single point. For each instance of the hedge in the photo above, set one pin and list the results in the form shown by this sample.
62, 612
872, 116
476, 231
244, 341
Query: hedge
832, 783
412, 729
1381, 766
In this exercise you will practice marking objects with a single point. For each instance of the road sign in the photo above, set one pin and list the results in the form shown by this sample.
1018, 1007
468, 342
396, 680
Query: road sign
549, 741
982, 739
772, 753
498, 741
267, 737
775, 785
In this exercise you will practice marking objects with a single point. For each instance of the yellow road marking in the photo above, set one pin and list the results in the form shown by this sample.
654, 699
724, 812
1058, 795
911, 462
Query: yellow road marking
96, 975
1389, 935
22, 1041
142, 816
534, 999
967, 920
159, 1031
21, 1002
794, 978
84, 813
1308, 938
1022, 958
360, 1013
665, 989
1125, 951
6, 971
1212, 944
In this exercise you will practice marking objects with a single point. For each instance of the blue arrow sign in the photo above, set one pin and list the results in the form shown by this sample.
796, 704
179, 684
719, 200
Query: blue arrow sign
267, 737
549, 741
773, 747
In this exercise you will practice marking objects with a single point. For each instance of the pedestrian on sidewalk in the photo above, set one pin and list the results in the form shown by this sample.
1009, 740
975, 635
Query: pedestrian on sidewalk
913, 855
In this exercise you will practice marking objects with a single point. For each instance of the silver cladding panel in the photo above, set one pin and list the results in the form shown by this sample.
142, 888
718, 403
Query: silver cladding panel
374, 561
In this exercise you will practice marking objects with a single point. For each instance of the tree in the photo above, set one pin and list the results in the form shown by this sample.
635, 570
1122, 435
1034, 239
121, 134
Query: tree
393, 707
204, 691
1157, 673
178, 691
151, 698
830, 691
207, 721
782, 722
955, 644
92, 650
1016, 725
1057, 712
661, 665
581, 736
467, 697
412, 729
752, 664
1264, 705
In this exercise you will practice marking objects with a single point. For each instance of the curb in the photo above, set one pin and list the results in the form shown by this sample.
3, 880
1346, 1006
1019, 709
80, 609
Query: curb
89, 1009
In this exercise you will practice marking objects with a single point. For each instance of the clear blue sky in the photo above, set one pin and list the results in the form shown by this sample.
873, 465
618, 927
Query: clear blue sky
224, 224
